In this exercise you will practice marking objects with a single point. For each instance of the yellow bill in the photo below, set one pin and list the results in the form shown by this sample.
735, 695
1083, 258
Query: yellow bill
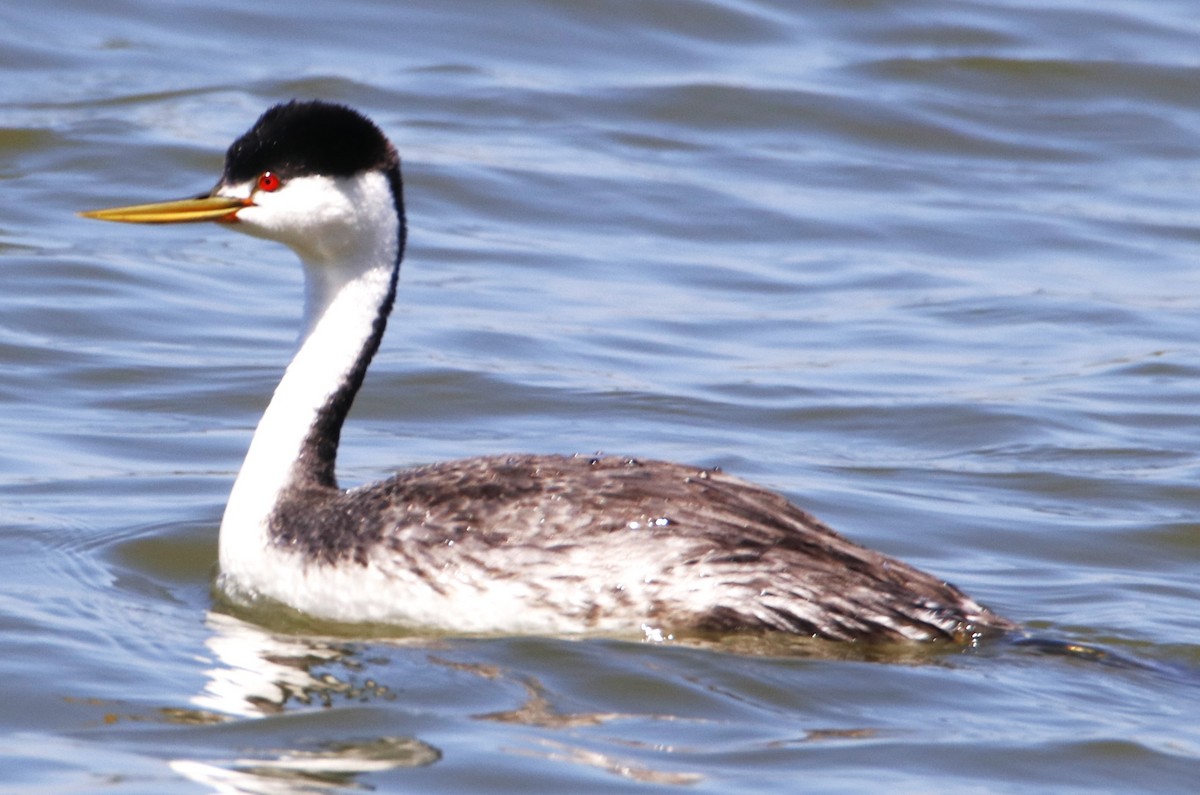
206, 208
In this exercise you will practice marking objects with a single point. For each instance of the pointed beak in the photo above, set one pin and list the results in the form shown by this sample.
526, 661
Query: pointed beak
204, 208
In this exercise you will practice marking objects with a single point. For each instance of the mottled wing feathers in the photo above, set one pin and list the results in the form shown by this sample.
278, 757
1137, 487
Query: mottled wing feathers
663, 543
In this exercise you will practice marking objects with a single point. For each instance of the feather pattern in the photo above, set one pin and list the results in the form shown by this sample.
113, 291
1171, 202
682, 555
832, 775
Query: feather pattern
614, 544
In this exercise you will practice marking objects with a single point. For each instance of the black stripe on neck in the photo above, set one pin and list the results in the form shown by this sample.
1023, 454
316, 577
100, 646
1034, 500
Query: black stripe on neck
316, 464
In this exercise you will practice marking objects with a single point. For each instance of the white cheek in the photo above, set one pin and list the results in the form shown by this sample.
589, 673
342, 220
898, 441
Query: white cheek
308, 214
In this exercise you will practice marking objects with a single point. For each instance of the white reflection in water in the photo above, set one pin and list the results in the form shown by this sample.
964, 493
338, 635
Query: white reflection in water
256, 674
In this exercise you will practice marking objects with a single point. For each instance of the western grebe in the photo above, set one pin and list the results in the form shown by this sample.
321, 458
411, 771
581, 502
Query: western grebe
514, 544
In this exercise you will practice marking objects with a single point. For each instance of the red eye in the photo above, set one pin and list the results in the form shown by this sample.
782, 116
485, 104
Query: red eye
269, 182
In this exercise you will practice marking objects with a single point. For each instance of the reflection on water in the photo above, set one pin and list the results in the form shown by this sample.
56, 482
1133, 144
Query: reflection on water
256, 674
562, 752
333, 766
259, 673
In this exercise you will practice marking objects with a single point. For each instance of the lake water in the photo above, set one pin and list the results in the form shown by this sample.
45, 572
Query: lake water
929, 268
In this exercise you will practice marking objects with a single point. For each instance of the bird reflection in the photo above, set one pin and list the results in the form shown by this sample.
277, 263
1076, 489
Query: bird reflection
255, 674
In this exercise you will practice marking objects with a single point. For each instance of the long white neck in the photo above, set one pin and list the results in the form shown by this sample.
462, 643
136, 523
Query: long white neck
350, 289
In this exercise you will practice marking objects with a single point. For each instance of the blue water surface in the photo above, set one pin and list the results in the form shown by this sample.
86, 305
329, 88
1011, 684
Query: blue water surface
928, 268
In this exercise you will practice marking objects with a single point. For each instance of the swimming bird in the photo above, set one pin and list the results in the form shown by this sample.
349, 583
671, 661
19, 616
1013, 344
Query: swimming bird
538, 544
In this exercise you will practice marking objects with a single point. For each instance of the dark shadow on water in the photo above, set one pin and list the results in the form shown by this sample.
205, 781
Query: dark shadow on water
1090, 654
